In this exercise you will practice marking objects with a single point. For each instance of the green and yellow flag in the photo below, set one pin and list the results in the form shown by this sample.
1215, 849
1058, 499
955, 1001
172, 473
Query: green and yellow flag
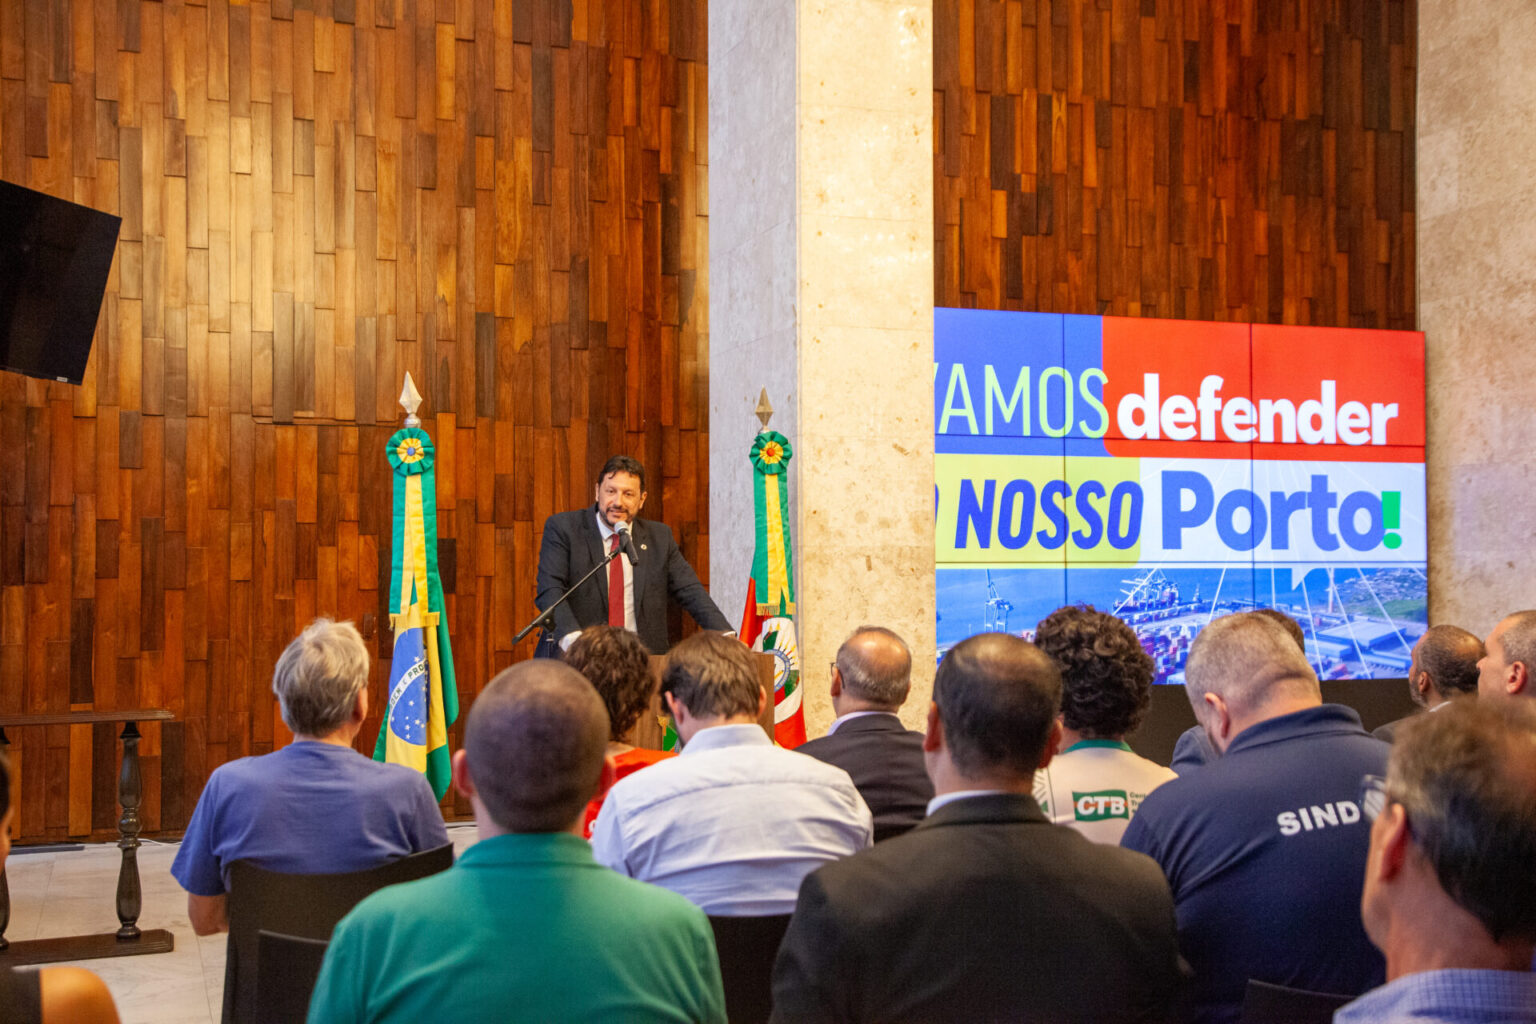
768, 621
423, 698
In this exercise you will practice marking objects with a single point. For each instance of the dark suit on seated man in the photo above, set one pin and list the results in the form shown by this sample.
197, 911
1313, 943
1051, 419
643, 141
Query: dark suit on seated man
870, 681
576, 541
985, 911
1443, 669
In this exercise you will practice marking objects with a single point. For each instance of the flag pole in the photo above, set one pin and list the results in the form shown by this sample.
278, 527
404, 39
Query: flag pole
423, 693
410, 401
768, 620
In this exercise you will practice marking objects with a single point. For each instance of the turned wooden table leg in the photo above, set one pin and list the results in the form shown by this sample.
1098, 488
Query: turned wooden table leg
130, 896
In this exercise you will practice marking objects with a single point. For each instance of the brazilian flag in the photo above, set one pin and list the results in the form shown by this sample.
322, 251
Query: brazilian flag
423, 697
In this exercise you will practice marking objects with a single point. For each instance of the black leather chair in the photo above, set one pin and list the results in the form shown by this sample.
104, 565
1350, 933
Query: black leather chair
1264, 1003
747, 948
287, 967
300, 906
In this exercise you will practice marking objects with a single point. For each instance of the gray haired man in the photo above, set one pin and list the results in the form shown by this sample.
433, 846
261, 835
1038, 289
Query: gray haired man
1450, 895
316, 806
1510, 661
1264, 846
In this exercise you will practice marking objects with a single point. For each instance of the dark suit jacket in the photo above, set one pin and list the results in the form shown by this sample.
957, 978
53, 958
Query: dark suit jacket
572, 545
885, 760
984, 912
1388, 733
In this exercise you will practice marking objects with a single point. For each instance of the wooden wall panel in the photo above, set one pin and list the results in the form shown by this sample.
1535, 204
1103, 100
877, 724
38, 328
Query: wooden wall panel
503, 197
1199, 159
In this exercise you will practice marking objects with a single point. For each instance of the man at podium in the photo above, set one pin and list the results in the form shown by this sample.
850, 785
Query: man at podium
632, 591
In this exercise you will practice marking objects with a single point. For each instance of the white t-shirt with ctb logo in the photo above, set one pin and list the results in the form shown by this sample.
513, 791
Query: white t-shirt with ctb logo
1096, 785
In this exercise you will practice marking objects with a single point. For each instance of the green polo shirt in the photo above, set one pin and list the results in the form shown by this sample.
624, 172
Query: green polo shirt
523, 928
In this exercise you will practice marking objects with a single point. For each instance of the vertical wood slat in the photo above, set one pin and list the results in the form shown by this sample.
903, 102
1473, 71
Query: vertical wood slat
1210, 158
316, 198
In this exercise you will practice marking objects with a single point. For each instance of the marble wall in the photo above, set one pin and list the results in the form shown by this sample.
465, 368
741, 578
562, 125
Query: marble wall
752, 265
1477, 246
847, 351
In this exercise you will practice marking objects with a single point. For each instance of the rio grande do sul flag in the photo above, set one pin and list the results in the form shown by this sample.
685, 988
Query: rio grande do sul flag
768, 621
423, 697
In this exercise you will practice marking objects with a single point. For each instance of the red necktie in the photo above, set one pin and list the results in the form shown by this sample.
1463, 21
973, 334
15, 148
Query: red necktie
616, 586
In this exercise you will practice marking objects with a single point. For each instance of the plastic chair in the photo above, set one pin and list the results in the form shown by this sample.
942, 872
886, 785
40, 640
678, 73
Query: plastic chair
1264, 1003
302, 906
747, 947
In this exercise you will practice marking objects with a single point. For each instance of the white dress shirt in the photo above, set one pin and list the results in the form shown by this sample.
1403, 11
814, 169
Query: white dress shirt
960, 794
629, 582
733, 823
629, 573
850, 716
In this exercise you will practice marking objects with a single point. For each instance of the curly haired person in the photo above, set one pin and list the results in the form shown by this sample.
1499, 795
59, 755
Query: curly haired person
1095, 782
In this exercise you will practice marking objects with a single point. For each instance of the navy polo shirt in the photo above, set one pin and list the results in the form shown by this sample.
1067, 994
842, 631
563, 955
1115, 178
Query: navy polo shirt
1264, 849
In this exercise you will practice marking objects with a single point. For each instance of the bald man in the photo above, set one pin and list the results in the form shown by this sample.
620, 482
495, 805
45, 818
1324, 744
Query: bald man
870, 682
526, 925
1506, 668
1444, 668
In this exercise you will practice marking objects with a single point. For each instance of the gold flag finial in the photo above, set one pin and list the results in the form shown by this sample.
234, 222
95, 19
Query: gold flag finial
410, 401
764, 410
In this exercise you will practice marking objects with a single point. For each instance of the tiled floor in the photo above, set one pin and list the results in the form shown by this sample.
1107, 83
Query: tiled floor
74, 892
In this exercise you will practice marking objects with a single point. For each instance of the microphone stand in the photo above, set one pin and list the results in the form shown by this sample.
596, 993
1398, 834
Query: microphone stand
543, 618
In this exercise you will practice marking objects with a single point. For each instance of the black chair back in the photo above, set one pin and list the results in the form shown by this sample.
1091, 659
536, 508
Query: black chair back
747, 948
304, 906
287, 967
1264, 1003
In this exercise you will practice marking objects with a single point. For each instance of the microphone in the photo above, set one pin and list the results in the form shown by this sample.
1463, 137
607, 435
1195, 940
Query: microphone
626, 542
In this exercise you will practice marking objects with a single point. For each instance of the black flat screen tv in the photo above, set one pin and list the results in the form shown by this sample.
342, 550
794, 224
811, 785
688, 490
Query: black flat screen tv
54, 259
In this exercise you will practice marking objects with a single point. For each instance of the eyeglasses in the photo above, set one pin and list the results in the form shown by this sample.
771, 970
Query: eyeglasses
1374, 799
1373, 796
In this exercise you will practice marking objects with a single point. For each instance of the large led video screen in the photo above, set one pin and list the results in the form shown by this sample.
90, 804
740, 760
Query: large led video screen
1170, 471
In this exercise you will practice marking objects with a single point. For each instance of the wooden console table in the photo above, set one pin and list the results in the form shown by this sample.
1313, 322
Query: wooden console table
128, 940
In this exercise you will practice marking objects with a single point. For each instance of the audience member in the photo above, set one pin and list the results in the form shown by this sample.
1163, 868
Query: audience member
985, 911
1193, 748
1265, 846
53, 995
1510, 660
1450, 895
1444, 666
870, 681
526, 925
1096, 782
316, 806
617, 663
733, 823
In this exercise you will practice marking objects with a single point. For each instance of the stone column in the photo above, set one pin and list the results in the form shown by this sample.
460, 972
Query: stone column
821, 258
1477, 244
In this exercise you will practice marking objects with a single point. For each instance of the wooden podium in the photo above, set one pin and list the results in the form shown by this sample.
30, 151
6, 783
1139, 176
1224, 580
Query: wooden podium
648, 731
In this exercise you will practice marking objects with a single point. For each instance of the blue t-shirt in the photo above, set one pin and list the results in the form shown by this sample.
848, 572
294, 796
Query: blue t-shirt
310, 809
1264, 849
